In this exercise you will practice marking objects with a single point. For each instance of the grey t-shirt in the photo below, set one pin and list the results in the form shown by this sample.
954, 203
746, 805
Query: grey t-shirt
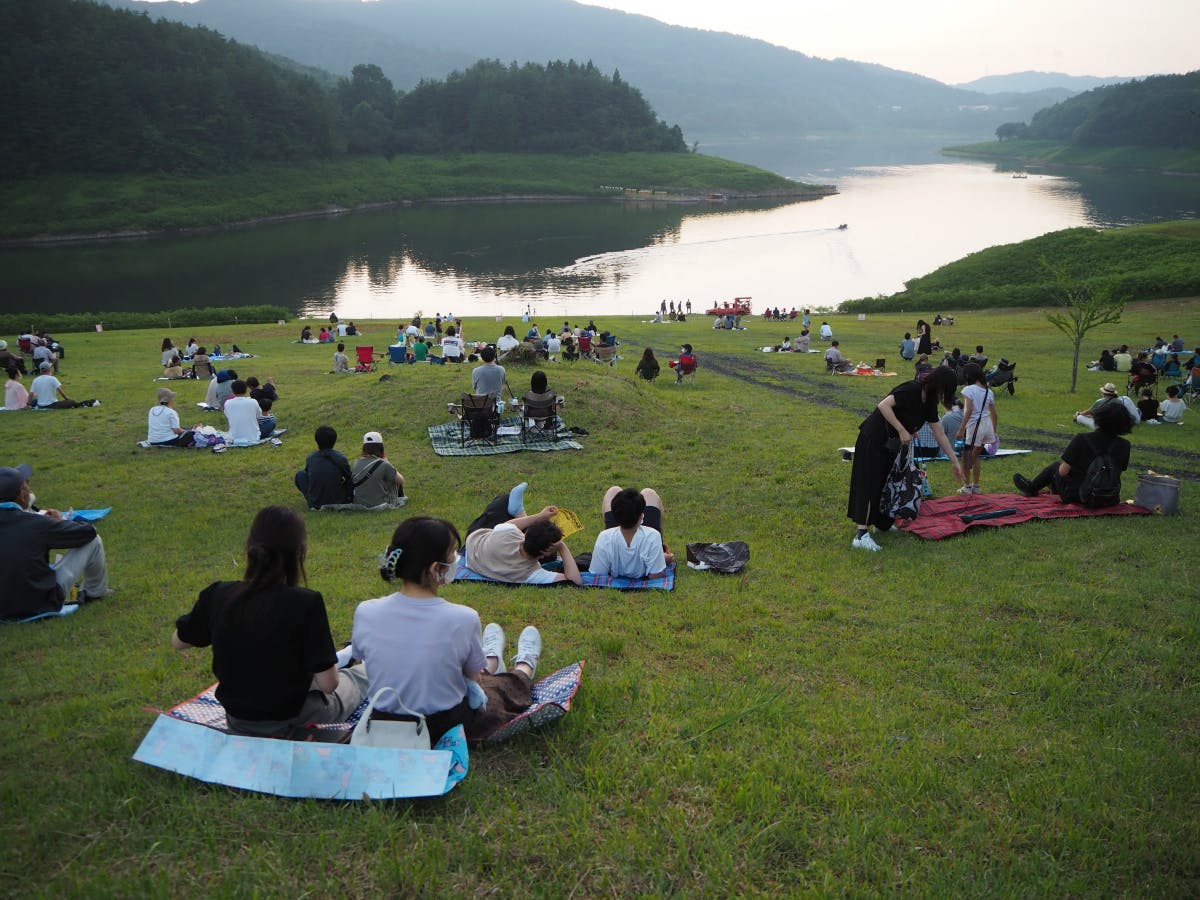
379, 488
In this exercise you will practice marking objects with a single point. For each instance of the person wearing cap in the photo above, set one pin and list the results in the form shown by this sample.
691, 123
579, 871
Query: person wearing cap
377, 484
48, 393
1108, 394
31, 586
162, 423
10, 360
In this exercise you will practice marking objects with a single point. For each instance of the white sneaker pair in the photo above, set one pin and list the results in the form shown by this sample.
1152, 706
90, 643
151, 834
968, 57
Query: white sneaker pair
529, 647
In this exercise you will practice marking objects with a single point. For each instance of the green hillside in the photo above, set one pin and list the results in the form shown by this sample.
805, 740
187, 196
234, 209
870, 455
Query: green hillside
1143, 262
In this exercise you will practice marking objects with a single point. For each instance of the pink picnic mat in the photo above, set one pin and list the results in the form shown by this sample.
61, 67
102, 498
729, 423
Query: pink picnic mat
946, 516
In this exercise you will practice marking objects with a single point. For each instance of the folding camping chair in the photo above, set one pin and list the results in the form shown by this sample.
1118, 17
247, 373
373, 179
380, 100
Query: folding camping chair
541, 417
364, 359
477, 417
606, 354
685, 369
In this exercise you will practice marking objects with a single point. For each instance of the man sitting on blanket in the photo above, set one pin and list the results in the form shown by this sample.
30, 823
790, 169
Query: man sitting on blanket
325, 479
30, 585
631, 545
1065, 477
505, 544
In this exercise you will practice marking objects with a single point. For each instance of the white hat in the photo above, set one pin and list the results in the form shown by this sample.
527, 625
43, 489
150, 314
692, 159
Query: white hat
372, 437
3, 345
45, 367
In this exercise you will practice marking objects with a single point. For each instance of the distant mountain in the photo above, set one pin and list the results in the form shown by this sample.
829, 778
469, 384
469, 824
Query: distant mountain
1029, 82
716, 86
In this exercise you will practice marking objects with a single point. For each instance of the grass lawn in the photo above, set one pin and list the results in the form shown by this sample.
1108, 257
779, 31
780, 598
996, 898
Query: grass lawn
1012, 712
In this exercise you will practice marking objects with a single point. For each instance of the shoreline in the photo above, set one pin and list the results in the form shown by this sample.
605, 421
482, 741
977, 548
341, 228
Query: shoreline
812, 192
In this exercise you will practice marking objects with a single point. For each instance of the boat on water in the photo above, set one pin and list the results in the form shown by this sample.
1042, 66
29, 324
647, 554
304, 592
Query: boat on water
739, 307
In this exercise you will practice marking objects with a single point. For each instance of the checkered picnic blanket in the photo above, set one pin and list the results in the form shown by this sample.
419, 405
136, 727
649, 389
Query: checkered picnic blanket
551, 697
946, 516
446, 441
665, 582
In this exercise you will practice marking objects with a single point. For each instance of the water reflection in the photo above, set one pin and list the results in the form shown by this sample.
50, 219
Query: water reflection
590, 259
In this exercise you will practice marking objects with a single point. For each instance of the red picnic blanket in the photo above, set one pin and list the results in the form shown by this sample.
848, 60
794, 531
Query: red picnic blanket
946, 516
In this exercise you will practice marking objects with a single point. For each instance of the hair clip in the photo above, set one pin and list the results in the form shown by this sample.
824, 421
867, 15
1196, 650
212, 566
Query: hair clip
390, 560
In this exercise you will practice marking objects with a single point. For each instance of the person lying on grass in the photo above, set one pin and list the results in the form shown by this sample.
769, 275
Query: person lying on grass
505, 544
272, 651
631, 545
430, 650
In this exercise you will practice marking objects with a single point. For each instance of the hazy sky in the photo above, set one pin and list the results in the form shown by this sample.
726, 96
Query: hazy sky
960, 40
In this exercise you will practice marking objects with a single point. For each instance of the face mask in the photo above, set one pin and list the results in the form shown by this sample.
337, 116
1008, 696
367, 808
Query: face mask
446, 573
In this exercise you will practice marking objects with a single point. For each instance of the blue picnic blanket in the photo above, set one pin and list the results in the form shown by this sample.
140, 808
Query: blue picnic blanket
665, 582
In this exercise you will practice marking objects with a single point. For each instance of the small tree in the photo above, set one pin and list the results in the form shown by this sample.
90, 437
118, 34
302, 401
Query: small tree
1085, 306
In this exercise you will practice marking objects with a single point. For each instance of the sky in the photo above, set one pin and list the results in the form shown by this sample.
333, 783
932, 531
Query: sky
956, 41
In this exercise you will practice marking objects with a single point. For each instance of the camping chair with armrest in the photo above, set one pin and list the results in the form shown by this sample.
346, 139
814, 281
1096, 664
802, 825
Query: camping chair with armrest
364, 359
1003, 376
202, 371
606, 353
541, 416
477, 417
685, 369
585, 345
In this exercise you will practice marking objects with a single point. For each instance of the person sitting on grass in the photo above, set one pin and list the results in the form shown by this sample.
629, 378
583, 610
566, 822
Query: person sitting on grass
512, 550
1173, 407
341, 362
262, 391
15, 394
162, 423
242, 412
272, 651
266, 419
48, 393
429, 650
452, 346
1108, 395
27, 536
325, 479
1065, 477
1148, 407
631, 545
647, 367
376, 481
802, 343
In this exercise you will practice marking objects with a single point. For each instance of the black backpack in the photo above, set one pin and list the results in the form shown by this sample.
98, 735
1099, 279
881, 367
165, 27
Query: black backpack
1101, 484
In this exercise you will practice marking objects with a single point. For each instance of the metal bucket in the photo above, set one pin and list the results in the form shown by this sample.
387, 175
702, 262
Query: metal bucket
1159, 493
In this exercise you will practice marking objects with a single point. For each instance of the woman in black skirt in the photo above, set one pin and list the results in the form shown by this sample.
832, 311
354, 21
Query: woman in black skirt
892, 424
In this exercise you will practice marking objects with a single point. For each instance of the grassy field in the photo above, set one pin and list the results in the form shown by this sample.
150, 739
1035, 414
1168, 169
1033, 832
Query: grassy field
1039, 152
82, 205
1007, 713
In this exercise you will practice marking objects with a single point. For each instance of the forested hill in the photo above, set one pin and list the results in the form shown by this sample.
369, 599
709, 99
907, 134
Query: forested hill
91, 89
1162, 111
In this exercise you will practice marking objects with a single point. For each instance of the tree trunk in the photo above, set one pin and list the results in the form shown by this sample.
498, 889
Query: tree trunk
1075, 362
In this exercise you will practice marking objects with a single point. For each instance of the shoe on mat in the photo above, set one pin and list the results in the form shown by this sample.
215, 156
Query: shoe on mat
529, 648
1024, 485
866, 542
493, 645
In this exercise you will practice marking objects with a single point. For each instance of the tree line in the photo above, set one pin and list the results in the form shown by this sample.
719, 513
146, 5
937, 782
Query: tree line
1152, 112
91, 89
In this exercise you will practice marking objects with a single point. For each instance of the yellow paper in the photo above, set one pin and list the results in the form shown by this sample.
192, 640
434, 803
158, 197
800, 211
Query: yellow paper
567, 521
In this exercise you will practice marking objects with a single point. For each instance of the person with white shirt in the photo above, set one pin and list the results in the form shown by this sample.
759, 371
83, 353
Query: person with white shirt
452, 348
631, 545
508, 341
162, 423
48, 393
242, 412
978, 425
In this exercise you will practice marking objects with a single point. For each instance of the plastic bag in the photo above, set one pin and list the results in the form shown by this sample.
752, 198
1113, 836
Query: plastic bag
728, 556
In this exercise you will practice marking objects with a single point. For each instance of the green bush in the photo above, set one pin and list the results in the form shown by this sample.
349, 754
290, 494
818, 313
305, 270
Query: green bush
15, 323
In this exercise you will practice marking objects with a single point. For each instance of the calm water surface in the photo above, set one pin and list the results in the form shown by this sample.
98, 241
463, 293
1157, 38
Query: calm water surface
593, 259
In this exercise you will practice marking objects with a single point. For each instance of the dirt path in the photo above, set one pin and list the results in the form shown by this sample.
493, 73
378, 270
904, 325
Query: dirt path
829, 391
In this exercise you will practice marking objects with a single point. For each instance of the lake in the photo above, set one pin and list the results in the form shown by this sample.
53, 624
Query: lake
577, 259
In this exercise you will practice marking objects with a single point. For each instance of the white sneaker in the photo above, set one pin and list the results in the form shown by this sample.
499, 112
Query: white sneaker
529, 648
493, 645
866, 542
969, 489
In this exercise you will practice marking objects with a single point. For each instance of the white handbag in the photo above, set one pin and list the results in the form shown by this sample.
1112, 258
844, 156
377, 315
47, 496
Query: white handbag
397, 734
